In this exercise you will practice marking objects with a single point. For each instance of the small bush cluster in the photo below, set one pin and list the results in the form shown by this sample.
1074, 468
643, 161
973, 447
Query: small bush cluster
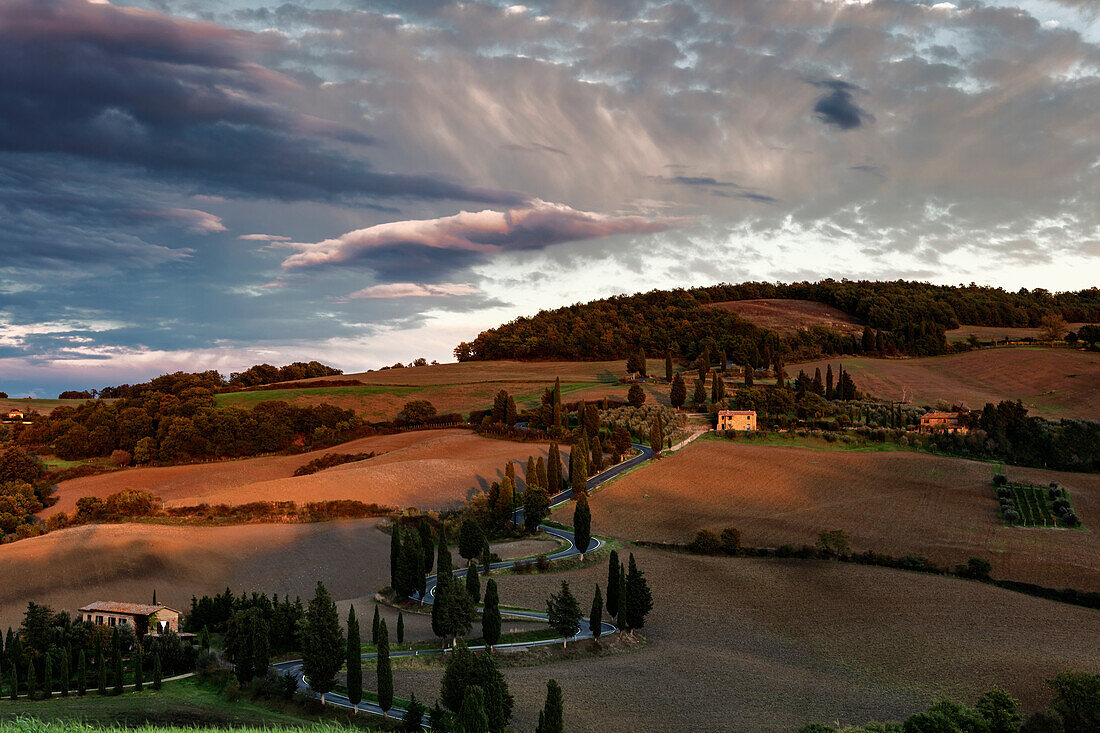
541, 564
329, 460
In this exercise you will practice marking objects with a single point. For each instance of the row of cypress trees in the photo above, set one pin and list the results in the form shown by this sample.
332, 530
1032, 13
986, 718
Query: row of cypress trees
64, 683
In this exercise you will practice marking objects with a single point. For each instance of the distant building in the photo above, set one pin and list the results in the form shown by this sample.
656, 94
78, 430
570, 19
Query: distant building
942, 422
15, 415
144, 618
737, 420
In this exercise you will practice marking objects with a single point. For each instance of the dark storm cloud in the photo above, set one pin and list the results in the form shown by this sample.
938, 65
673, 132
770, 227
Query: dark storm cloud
181, 98
835, 107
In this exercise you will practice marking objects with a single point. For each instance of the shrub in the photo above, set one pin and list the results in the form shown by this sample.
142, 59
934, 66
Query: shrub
1011, 516
1000, 479
120, 458
542, 563
329, 460
706, 542
731, 540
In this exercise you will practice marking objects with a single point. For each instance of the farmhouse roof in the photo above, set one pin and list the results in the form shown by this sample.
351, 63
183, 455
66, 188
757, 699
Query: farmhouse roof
132, 609
728, 413
939, 415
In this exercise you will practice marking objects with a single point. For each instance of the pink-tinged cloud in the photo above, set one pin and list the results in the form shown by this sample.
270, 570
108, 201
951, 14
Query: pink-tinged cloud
415, 290
264, 238
201, 222
535, 224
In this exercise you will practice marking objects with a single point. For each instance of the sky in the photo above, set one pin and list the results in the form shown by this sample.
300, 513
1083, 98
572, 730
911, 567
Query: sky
209, 184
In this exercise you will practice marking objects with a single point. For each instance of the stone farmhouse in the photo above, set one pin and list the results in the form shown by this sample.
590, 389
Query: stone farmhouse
146, 619
737, 420
942, 422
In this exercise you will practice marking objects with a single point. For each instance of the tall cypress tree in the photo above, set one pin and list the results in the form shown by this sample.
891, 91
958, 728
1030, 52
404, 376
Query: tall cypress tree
322, 642
595, 465
830, 393
656, 435
749, 372
354, 661
395, 556
578, 469
582, 524
472, 717
427, 546
15, 682
668, 366
677, 394
158, 675
552, 715
490, 615
400, 628
374, 626
47, 677
473, 584
531, 474
556, 404
637, 600
32, 680
82, 674
116, 661
595, 617
613, 584
385, 670
553, 470
65, 674
139, 672
101, 665
642, 362
443, 568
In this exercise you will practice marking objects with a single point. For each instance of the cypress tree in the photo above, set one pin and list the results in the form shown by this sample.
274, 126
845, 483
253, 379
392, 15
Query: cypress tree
510, 411
437, 611
830, 393
116, 662
817, 386
139, 672
322, 642
714, 389
656, 435
413, 719
557, 416
354, 661
457, 614
32, 681
540, 469
551, 718
530, 475
66, 674
536, 507
158, 676
486, 559
677, 395
749, 372
596, 464
442, 558
15, 682
582, 524
473, 585
385, 670
472, 717
554, 480
427, 546
400, 628
564, 613
700, 395
668, 366
490, 615
642, 362
457, 677
374, 626
622, 590
101, 665
470, 539
436, 716
613, 584
637, 600
395, 556
578, 469
82, 674
47, 677
154, 596
595, 617
204, 638
722, 360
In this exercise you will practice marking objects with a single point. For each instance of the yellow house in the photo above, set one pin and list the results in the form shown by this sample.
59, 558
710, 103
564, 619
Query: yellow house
144, 618
737, 420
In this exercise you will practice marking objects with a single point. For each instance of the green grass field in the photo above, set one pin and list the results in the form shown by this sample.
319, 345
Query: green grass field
251, 399
184, 703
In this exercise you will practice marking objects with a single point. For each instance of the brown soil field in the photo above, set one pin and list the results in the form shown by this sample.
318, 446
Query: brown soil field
987, 333
1050, 382
428, 469
895, 503
765, 645
786, 316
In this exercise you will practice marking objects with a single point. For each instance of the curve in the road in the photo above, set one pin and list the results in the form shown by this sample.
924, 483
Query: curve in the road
644, 454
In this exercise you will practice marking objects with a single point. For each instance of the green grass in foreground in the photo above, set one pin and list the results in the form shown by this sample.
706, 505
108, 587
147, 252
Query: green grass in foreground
33, 725
187, 703
251, 399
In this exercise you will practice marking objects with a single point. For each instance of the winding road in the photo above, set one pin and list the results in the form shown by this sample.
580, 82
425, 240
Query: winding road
644, 454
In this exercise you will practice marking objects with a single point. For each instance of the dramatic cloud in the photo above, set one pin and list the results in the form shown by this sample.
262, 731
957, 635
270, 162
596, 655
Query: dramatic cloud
415, 290
533, 226
173, 167
836, 107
